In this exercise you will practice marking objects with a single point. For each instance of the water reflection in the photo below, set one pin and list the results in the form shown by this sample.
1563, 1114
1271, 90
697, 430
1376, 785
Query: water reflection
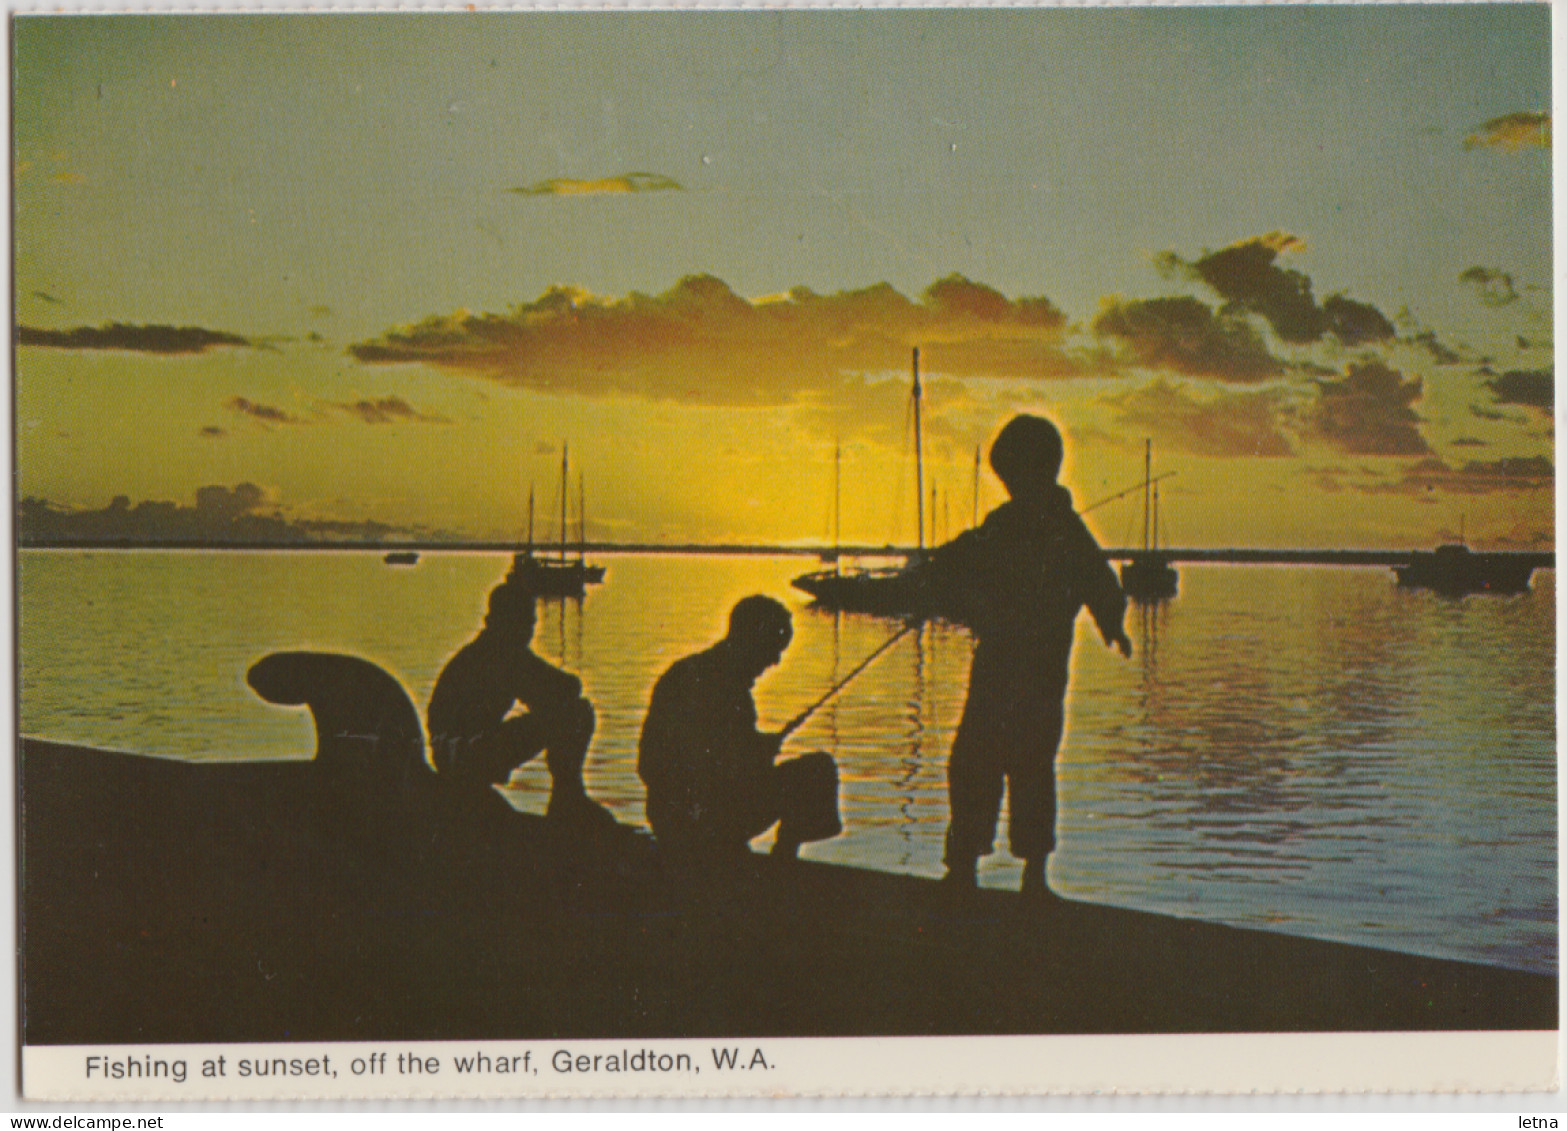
1311, 749
913, 749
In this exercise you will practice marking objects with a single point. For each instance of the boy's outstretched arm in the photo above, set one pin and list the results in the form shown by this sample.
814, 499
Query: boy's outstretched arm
1102, 592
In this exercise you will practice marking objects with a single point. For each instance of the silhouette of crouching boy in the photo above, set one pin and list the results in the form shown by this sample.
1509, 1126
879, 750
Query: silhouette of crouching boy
713, 779
477, 740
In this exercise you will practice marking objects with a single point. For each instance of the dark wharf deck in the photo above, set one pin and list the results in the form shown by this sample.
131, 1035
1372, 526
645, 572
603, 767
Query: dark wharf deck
168, 901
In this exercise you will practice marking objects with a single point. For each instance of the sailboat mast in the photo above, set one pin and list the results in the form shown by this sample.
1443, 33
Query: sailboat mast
563, 501
1156, 518
919, 459
530, 520
1147, 484
837, 503
582, 517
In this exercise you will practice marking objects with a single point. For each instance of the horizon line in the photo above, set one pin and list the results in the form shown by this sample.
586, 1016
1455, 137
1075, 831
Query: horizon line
1543, 559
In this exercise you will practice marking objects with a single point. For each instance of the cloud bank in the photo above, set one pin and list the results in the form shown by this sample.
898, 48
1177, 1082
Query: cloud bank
140, 339
1475, 477
700, 343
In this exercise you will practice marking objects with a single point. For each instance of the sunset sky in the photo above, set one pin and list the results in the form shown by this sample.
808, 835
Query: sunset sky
383, 265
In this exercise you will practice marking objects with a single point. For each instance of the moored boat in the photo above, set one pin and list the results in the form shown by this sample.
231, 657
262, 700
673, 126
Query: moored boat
560, 576
891, 591
880, 591
1455, 570
1147, 576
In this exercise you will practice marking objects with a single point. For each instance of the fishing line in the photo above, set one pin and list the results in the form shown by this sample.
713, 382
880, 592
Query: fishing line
798, 721
1138, 486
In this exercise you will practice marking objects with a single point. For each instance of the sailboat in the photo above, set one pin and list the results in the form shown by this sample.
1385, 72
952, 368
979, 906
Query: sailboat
890, 590
1148, 575
559, 576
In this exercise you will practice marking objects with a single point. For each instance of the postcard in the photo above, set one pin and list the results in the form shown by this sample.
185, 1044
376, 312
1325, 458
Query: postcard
785, 552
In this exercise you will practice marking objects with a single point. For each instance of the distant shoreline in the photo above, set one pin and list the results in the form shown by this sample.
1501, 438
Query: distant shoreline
1538, 559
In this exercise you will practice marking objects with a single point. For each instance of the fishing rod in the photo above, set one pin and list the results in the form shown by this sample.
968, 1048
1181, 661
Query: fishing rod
1123, 494
798, 721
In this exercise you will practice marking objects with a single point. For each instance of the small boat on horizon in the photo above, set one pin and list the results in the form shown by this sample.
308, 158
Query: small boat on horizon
402, 558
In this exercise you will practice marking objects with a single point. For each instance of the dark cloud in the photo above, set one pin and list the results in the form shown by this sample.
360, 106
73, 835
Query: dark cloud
1492, 414
388, 410
1512, 132
1468, 442
1535, 388
1493, 287
49, 298
701, 343
624, 183
1476, 477
1355, 323
213, 431
957, 297
1441, 354
1184, 335
267, 414
1247, 275
1368, 413
1230, 424
141, 339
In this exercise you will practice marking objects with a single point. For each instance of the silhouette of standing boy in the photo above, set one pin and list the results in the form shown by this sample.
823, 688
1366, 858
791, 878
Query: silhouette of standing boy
1018, 580
712, 782
477, 741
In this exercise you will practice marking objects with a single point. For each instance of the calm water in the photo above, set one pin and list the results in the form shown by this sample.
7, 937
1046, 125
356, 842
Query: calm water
1309, 750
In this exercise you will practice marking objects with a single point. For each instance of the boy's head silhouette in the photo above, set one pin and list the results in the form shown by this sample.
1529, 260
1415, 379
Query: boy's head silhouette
1027, 455
759, 630
511, 611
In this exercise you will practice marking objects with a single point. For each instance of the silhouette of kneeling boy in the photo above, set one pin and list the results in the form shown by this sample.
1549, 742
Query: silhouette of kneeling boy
713, 780
475, 738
